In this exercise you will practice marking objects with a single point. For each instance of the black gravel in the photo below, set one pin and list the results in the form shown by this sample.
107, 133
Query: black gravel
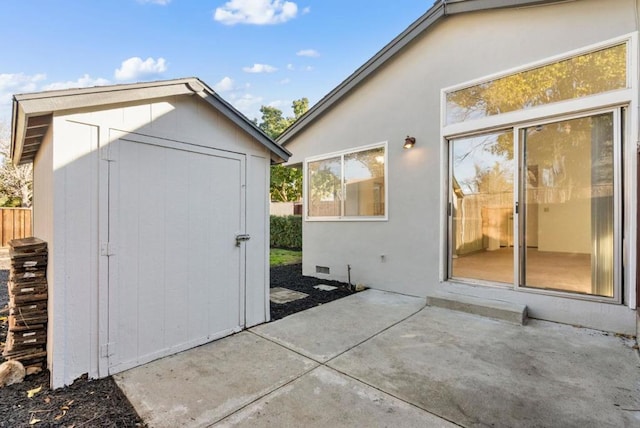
100, 403
95, 403
290, 276
88, 403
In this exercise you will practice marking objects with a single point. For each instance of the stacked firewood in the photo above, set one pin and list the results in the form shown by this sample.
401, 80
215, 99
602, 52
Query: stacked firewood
27, 336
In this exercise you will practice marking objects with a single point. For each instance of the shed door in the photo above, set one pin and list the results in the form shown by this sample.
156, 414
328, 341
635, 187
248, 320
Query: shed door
176, 273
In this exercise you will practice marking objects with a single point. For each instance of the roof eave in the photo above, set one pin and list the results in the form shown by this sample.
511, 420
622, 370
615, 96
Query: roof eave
27, 106
439, 10
425, 21
454, 7
281, 154
17, 129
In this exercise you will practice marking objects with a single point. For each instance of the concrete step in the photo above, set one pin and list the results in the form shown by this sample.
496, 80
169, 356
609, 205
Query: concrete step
496, 309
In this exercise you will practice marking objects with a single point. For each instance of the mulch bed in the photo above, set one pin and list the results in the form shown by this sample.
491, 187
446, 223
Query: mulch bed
100, 403
290, 276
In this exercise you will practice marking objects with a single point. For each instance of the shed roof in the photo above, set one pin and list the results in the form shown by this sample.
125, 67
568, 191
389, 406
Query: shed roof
33, 112
440, 10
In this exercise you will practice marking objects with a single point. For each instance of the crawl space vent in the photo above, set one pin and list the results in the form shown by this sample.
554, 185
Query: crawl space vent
322, 269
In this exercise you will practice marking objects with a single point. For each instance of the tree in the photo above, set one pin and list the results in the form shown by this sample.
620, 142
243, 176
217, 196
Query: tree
300, 107
16, 182
273, 123
286, 182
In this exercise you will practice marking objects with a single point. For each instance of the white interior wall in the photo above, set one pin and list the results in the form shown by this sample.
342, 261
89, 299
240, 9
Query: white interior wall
76, 291
403, 98
564, 225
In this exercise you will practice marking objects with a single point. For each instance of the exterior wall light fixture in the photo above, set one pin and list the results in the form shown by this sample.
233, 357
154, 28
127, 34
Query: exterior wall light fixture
409, 142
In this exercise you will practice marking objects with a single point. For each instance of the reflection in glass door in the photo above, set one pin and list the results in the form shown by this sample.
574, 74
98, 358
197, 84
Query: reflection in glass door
567, 185
565, 230
481, 208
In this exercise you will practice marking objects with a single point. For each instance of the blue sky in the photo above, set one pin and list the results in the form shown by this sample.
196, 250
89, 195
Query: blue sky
253, 52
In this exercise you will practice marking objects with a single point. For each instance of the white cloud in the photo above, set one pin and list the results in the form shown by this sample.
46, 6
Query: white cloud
260, 68
306, 10
16, 83
20, 82
160, 2
135, 68
224, 85
290, 67
285, 81
82, 82
311, 53
248, 104
257, 12
279, 104
308, 68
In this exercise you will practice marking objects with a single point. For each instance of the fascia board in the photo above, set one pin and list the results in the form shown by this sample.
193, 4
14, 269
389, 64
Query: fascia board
18, 122
438, 11
42, 103
240, 120
108, 88
435, 13
454, 7
74, 100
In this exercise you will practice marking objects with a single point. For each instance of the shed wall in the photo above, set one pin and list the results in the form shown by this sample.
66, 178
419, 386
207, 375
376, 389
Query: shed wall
403, 98
78, 283
73, 287
43, 207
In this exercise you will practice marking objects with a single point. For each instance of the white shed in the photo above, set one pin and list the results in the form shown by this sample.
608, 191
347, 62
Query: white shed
153, 198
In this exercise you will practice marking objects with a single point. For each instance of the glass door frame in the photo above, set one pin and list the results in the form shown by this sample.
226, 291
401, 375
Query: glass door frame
619, 112
450, 202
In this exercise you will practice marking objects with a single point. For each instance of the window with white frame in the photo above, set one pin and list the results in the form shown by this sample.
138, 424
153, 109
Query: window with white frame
579, 76
348, 185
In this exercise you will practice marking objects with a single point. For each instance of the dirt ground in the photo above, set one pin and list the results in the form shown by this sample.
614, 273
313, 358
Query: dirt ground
100, 403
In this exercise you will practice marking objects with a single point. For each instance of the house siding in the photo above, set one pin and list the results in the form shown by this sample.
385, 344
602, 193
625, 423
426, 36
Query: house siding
403, 97
70, 202
43, 207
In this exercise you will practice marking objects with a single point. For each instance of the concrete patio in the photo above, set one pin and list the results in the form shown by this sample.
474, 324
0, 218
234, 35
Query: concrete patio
382, 359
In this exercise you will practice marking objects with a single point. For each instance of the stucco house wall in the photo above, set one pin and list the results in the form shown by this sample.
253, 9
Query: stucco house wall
403, 97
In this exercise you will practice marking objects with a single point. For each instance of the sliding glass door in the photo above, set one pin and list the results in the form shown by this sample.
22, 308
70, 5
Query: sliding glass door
481, 207
568, 187
539, 211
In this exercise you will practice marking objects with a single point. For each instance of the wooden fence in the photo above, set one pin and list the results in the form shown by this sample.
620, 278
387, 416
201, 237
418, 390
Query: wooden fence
15, 224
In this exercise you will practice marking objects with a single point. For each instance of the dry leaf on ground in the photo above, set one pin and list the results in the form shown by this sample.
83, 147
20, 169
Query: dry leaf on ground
34, 391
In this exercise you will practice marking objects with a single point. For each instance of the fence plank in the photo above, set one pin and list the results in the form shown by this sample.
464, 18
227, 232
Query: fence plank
15, 223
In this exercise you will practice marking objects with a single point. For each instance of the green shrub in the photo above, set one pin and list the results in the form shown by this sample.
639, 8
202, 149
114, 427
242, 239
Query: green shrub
286, 231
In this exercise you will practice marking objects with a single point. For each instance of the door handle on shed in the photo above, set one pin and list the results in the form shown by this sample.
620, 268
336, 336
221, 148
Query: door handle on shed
242, 238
